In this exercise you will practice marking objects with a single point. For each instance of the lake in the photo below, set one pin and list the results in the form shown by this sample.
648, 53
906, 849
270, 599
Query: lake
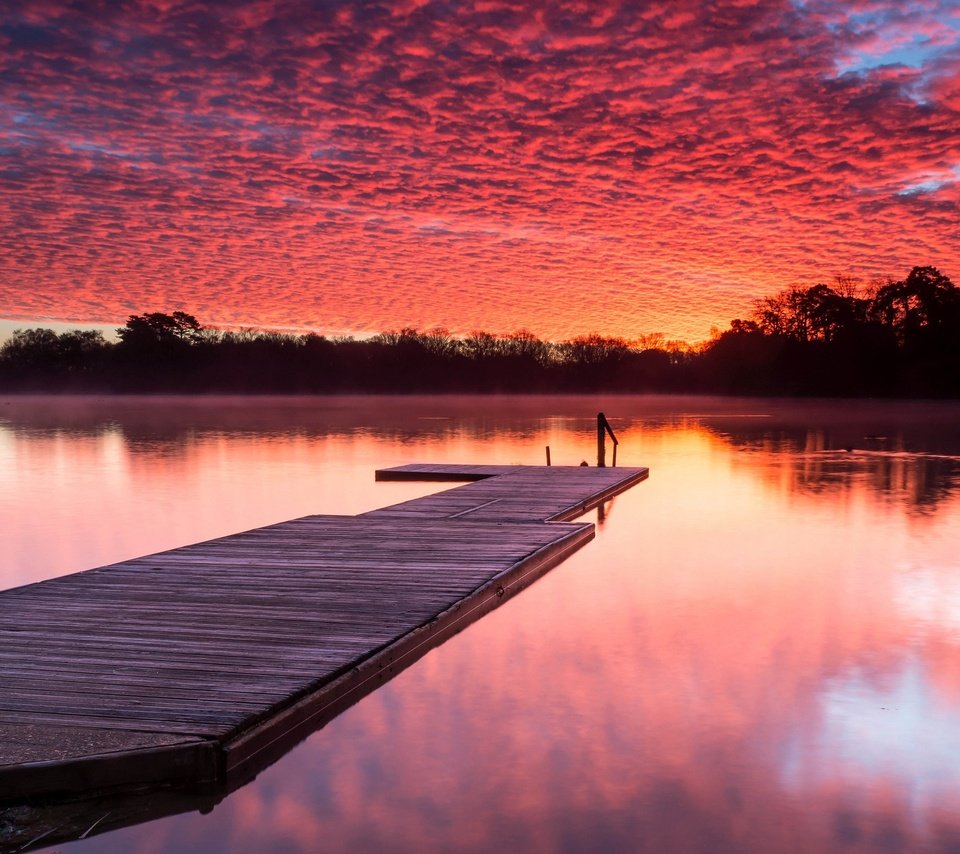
760, 651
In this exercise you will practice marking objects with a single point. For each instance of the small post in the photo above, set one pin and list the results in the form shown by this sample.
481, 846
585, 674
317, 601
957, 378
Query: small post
601, 447
603, 427
548, 455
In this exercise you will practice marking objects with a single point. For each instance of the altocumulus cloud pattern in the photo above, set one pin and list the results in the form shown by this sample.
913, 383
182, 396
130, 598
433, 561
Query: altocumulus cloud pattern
562, 166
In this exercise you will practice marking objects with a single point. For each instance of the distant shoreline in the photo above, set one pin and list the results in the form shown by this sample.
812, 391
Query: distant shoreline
900, 341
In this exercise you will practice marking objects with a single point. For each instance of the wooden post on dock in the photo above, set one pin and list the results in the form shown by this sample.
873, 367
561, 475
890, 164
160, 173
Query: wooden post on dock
548, 455
603, 427
601, 446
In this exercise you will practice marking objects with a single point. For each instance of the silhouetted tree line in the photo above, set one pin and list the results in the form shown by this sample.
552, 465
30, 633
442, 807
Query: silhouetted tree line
160, 352
897, 339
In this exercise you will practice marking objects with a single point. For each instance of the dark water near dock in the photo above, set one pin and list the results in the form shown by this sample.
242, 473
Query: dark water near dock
757, 653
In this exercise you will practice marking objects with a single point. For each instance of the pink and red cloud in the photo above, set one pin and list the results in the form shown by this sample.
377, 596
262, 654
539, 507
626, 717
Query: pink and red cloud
561, 166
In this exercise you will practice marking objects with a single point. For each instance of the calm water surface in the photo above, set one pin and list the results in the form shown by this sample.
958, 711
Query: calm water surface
759, 652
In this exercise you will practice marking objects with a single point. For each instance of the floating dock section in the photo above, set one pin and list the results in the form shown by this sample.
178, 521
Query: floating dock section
209, 661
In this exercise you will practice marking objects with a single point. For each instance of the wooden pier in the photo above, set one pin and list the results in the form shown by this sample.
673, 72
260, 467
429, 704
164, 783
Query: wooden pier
207, 662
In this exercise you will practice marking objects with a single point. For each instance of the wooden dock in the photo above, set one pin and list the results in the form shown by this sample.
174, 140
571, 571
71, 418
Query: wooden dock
208, 661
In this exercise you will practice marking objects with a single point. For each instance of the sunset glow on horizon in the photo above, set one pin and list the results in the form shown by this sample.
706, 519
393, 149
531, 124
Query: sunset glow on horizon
565, 167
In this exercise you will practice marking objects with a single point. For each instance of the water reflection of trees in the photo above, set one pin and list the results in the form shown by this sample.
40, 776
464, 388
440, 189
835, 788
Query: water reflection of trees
908, 451
916, 465
913, 480
147, 421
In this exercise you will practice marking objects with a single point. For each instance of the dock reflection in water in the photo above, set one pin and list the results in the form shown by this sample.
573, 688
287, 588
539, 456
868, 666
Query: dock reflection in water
758, 651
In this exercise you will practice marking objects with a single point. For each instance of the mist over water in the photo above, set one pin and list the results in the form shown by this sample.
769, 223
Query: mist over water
758, 652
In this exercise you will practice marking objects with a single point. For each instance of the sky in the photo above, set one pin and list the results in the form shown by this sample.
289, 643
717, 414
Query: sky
355, 166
